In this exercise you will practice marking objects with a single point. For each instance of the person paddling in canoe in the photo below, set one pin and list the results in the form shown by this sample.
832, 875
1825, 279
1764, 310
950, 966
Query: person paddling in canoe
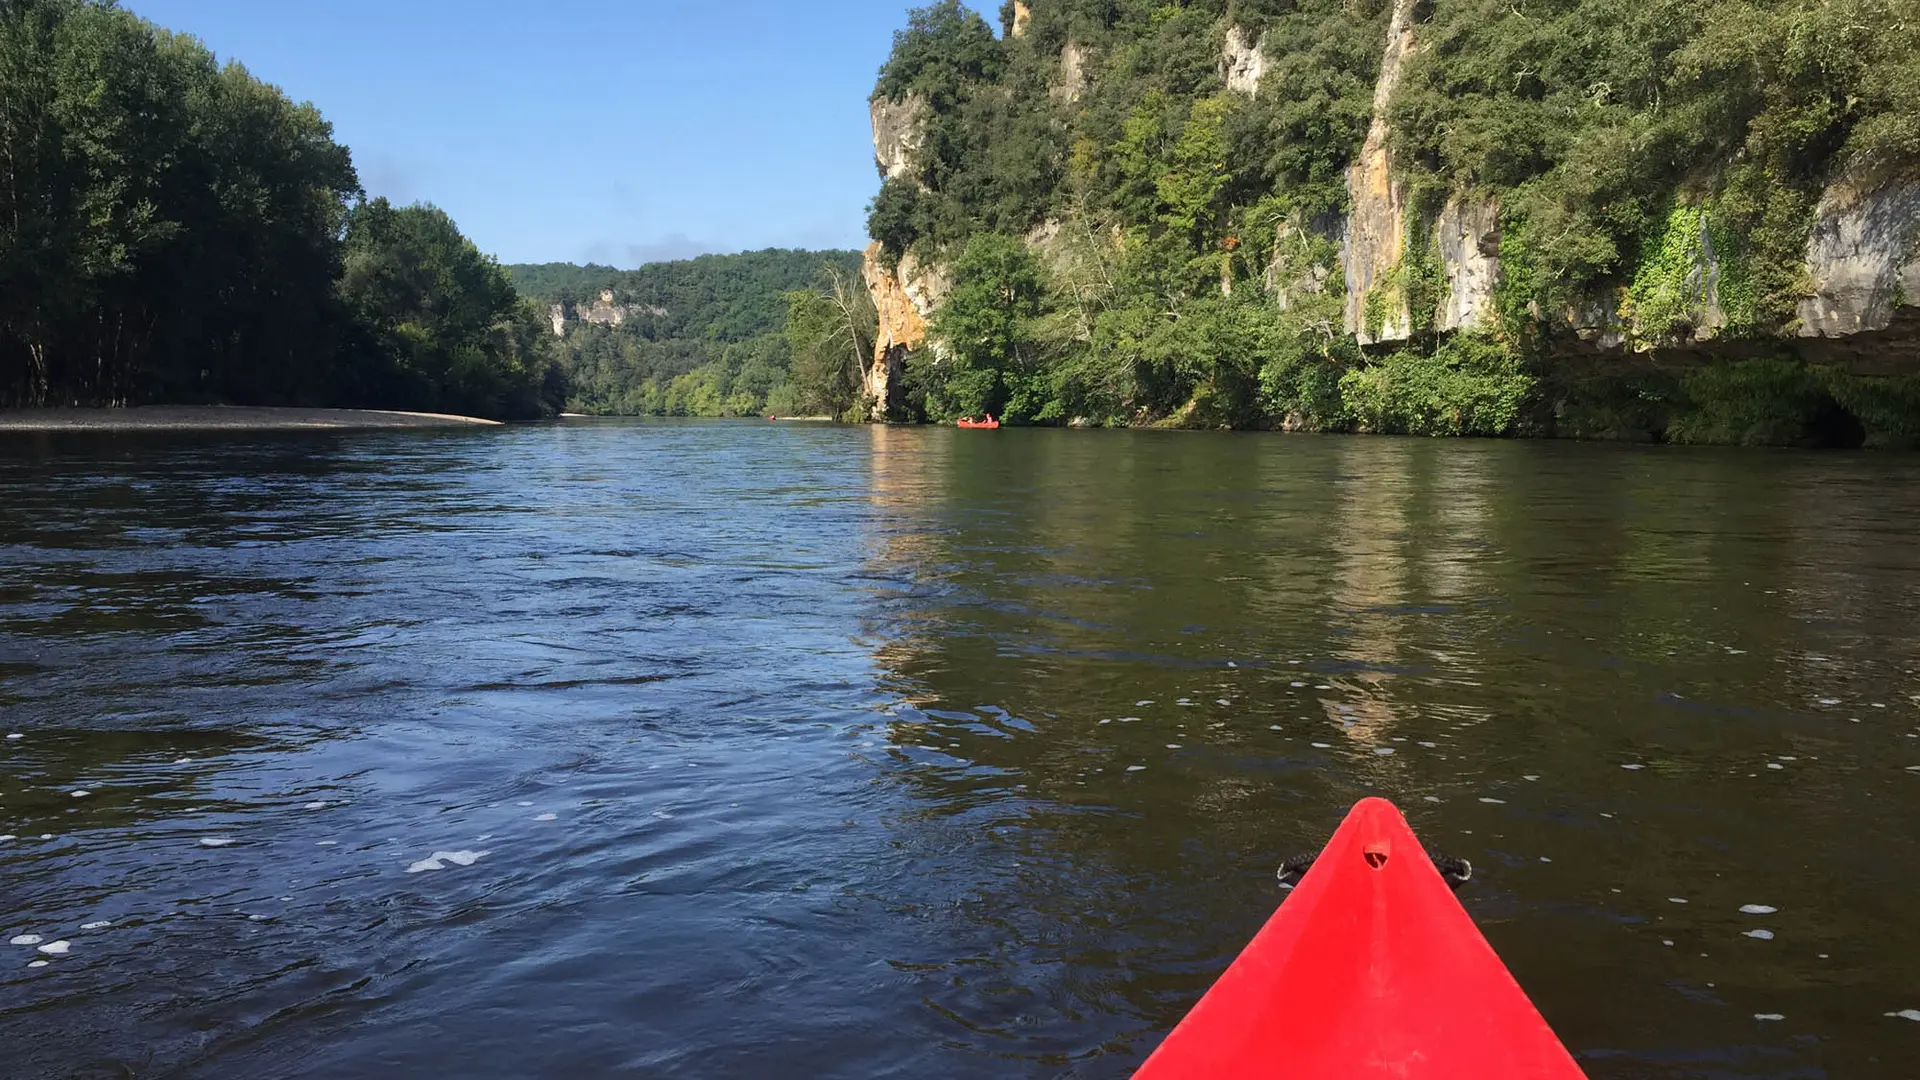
970, 422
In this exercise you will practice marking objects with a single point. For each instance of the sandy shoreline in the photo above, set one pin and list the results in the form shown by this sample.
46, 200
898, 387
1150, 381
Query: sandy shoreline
226, 418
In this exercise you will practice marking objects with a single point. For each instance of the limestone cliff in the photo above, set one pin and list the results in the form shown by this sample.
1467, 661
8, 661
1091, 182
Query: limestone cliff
1243, 63
1466, 237
1863, 259
604, 310
1376, 234
898, 131
904, 298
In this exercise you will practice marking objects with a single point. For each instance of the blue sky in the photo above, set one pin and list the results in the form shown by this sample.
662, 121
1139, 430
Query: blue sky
618, 131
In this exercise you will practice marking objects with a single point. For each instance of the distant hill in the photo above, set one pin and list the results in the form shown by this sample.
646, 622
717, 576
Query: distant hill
693, 337
713, 297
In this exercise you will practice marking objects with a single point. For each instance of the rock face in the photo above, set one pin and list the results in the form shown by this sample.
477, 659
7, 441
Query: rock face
905, 298
1073, 72
1022, 15
1467, 234
1243, 63
1863, 258
602, 311
898, 131
1377, 229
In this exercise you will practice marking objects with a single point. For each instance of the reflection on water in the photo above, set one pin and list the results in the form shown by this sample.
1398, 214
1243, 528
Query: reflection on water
743, 749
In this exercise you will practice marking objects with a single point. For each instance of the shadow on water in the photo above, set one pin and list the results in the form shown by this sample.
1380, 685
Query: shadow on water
725, 749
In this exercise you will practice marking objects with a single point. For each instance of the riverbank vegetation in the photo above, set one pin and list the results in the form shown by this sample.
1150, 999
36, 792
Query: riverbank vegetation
710, 336
174, 230
1130, 240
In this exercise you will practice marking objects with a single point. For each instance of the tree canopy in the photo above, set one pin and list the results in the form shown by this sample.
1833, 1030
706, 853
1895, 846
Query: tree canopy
174, 230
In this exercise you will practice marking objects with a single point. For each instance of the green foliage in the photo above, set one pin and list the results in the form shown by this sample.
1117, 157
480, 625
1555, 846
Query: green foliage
1467, 386
830, 332
172, 229
985, 327
943, 46
1763, 402
1666, 294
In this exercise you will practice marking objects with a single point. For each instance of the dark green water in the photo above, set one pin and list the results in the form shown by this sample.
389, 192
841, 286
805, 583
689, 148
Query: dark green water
816, 751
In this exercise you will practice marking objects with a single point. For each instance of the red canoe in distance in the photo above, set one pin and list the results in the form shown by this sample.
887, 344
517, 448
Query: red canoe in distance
969, 422
1370, 969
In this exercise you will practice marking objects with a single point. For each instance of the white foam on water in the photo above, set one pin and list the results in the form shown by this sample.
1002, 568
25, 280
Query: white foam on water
80, 793
215, 841
439, 860
1183, 701
1129, 719
6, 837
183, 761
38, 963
1323, 686
56, 948
1173, 746
1757, 909
1604, 814
315, 806
1907, 1014
1232, 664
1141, 704
256, 918
1633, 767
27, 939
1490, 801
1383, 751
46, 836
486, 836
1877, 704
1776, 766
1829, 701
1760, 935
1273, 727
1529, 778
546, 817
15, 737
1430, 745
1786, 757
1431, 798
1136, 768
1768, 1016
1321, 746
1109, 720
100, 925
523, 803
1298, 685
1543, 858
326, 843
1222, 701
1676, 899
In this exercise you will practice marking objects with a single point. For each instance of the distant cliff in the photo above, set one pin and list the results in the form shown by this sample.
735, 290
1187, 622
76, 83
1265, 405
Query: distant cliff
1454, 218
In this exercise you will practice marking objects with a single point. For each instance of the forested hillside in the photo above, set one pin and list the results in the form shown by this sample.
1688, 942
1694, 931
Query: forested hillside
174, 230
1591, 217
696, 337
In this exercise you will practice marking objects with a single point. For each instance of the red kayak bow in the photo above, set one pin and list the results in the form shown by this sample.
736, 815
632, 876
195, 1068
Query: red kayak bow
1369, 969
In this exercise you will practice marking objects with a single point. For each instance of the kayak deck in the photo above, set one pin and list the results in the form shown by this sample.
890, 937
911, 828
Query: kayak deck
1370, 968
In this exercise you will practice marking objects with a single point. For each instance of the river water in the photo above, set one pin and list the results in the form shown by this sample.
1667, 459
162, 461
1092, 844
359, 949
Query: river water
719, 749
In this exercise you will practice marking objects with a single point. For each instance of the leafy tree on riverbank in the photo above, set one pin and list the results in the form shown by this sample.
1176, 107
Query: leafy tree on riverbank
174, 230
